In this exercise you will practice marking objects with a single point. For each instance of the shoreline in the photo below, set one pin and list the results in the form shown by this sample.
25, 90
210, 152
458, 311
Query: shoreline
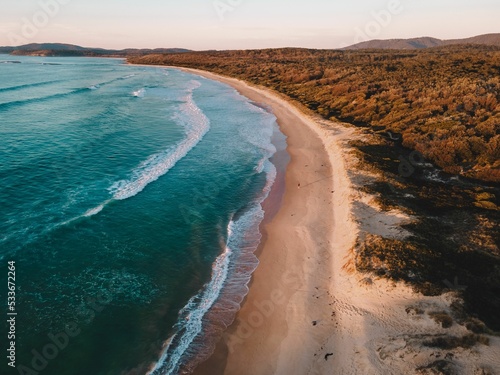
281, 308
308, 309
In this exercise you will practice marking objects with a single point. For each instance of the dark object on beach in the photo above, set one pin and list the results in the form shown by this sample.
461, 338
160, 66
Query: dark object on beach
315, 322
328, 355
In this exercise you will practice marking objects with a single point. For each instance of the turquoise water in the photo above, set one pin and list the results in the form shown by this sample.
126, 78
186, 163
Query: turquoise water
130, 200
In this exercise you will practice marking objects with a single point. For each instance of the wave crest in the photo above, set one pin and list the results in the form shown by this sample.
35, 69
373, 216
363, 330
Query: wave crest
196, 125
220, 299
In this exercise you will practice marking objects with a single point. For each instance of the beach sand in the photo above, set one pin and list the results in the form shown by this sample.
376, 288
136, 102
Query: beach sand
288, 310
308, 311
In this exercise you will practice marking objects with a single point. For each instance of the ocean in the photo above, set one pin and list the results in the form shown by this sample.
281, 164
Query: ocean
130, 200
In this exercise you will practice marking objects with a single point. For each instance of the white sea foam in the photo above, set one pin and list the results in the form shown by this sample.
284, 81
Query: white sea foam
261, 139
190, 324
196, 125
231, 271
94, 211
260, 166
192, 314
139, 93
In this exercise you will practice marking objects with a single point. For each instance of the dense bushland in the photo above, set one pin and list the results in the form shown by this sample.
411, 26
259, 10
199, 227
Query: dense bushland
445, 102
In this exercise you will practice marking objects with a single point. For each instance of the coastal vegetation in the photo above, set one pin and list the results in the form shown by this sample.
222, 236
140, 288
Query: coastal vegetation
443, 102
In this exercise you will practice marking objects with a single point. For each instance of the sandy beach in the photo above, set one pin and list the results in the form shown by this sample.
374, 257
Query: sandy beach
288, 309
308, 310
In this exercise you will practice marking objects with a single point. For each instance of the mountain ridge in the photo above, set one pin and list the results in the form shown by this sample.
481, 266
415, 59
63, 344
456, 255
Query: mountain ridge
492, 39
62, 49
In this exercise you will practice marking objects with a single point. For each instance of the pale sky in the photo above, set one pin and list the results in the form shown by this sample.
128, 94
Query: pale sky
240, 24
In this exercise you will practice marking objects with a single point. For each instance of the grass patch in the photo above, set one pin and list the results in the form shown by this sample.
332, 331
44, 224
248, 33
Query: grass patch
442, 318
453, 342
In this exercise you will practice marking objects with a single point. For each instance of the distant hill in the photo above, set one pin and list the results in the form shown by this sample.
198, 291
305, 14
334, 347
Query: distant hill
58, 49
425, 42
486, 39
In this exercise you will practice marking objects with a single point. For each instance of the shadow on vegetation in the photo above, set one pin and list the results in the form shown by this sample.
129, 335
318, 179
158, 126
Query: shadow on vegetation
454, 243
